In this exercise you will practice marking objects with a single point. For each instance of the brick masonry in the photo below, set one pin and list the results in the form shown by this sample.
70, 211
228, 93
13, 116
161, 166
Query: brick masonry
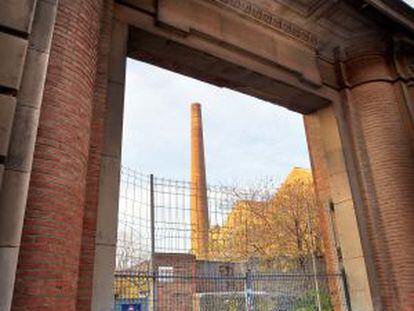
199, 202
56, 256
86, 266
48, 267
386, 169
175, 294
180, 293
377, 116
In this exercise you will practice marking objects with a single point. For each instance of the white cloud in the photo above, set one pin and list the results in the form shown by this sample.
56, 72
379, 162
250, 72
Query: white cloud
245, 138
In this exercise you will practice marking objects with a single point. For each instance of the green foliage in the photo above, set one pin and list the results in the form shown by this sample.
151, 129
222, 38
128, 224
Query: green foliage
308, 302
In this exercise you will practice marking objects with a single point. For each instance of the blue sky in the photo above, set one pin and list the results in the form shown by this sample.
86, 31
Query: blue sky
246, 139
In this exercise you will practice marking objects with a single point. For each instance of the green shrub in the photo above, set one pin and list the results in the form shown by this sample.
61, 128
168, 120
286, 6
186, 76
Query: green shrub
308, 302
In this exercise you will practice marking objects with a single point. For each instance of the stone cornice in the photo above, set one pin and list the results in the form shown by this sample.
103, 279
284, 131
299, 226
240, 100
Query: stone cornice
255, 12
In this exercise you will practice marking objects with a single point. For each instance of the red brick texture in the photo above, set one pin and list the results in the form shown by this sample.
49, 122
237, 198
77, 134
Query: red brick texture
177, 294
48, 267
386, 167
55, 267
86, 266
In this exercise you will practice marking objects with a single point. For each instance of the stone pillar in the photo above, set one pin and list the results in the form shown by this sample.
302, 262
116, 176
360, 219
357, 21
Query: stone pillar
320, 173
109, 179
380, 125
48, 265
333, 187
30, 24
199, 203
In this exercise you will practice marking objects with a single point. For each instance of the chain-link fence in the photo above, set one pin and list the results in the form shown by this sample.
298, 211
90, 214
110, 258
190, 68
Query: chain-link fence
263, 251
262, 292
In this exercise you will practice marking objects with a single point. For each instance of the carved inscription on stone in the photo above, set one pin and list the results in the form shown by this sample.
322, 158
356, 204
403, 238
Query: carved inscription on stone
256, 12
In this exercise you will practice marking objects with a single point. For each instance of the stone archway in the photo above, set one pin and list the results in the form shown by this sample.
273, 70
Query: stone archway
346, 66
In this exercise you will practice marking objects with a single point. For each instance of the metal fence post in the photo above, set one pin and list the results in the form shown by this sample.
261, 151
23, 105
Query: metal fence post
152, 206
249, 291
152, 220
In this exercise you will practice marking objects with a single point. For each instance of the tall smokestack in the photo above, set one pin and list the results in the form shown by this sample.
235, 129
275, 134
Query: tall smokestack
199, 204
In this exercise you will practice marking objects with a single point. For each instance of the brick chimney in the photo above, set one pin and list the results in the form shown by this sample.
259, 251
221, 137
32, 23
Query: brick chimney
199, 203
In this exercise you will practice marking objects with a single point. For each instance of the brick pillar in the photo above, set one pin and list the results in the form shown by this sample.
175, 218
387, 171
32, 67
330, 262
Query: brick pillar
199, 204
377, 116
87, 259
48, 265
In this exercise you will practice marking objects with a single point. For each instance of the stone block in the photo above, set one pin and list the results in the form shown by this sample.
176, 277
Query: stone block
329, 130
113, 120
117, 63
33, 79
8, 261
358, 285
13, 197
12, 58
356, 274
348, 233
269, 45
336, 162
7, 108
340, 189
21, 148
361, 300
41, 36
17, 14
107, 219
103, 278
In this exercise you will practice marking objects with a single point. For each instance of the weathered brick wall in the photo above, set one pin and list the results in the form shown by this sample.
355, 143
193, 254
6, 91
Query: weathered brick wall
56, 258
377, 115
385, 166
218, 269
86, 266
176, 294
392, 172
47, 276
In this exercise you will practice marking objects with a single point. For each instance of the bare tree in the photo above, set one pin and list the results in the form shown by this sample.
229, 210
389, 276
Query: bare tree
276, 226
